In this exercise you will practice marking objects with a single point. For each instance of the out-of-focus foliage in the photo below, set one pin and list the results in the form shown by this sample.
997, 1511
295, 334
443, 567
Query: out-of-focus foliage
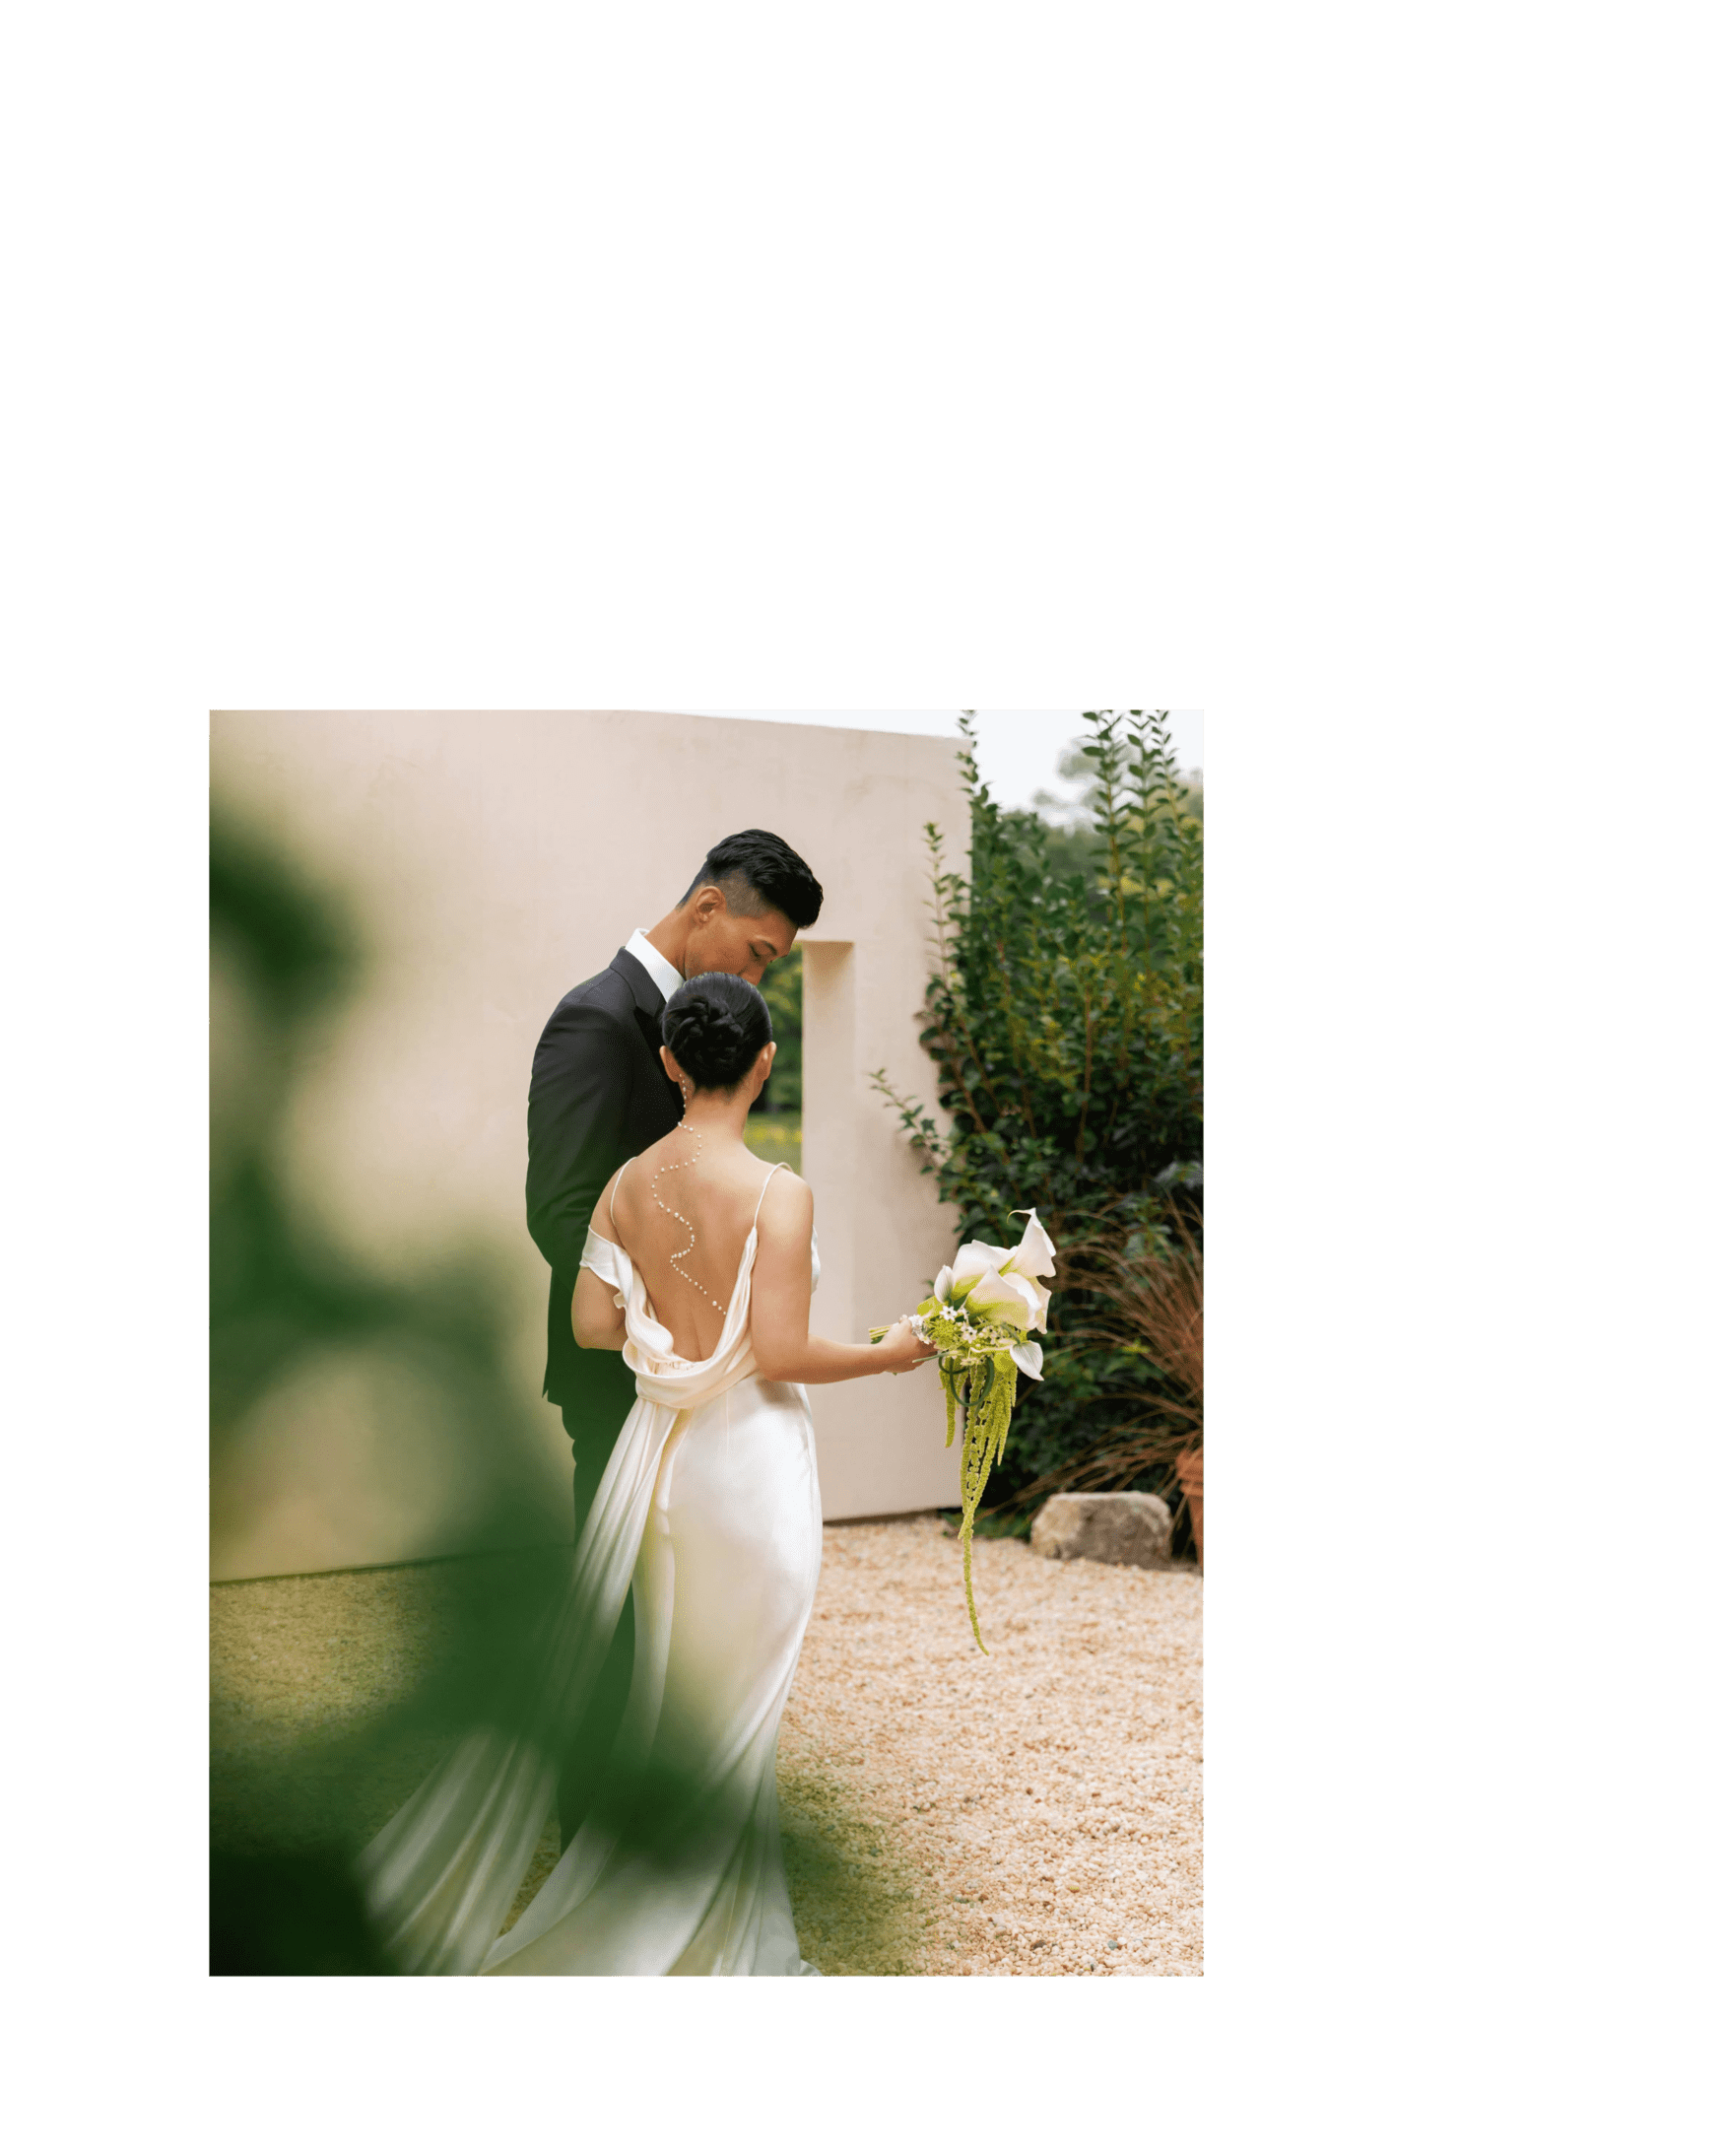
330, 1705
279, 1294
1065, 1024
775, 1138
855, 1899
782, 988
285, 1819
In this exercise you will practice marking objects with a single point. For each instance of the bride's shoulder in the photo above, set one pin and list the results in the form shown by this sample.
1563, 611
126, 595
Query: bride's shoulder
604, 1210
786, 1197
619, 1190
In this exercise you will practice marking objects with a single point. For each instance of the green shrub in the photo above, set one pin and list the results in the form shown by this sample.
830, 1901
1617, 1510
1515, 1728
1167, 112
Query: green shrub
1065, 1024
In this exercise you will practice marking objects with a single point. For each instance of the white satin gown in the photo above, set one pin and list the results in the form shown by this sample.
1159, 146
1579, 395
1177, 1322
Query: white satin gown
710, 1509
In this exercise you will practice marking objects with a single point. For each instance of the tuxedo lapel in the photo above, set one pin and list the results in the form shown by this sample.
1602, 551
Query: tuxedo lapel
648, 1006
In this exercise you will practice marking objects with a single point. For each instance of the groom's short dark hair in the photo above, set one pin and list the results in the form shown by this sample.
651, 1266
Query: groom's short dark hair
756, 870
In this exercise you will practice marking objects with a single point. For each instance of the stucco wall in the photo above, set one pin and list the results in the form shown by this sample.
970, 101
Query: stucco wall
493, 860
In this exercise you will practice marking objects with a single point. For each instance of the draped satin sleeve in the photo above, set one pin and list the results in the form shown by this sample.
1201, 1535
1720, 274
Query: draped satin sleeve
610, 1262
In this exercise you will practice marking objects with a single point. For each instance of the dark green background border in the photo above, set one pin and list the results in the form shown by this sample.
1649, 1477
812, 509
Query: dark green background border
974, 353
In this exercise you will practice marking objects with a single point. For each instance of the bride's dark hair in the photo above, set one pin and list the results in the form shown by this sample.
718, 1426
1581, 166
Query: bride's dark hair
715, 1024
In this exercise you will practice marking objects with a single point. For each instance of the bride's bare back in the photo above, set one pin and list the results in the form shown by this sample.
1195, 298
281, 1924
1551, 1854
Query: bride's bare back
683, 1210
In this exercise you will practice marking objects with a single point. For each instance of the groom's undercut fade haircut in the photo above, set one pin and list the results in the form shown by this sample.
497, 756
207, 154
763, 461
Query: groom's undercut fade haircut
758, 873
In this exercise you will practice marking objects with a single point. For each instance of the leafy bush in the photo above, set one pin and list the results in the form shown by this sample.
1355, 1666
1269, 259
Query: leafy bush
1065, 1024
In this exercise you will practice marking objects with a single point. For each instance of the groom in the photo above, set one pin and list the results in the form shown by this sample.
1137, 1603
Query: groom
599, 1095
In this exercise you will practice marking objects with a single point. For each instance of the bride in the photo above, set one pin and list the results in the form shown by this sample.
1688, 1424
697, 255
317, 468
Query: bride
699, 1268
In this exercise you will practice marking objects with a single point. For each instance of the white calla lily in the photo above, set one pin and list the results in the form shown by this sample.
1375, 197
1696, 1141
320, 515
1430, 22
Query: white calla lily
1027, 1355
1035, 1251
943, 1285
1040, 1297
1001, 1299
974, 1260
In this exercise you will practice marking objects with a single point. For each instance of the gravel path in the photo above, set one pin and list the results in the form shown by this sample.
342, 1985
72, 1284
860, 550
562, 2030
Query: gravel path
1031, 1812
1035, 1810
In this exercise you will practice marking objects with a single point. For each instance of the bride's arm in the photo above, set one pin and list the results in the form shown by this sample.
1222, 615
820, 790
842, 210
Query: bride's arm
785, 1352
597, 1322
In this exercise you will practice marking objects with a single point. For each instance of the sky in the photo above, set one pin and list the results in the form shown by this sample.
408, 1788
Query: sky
1019, 752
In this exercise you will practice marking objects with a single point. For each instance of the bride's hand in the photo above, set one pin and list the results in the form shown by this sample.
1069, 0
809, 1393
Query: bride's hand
903, 1351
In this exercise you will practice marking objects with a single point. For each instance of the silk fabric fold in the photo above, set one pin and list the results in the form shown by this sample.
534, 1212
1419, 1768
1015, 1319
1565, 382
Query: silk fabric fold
709, 1513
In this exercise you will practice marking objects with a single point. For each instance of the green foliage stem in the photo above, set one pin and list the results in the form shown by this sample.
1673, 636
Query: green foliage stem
986, 1392
979, 1379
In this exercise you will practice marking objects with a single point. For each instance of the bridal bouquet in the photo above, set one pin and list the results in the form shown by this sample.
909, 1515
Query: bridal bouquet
984, 1306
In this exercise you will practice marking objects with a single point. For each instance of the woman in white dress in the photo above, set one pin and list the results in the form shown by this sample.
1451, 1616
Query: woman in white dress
698, 1268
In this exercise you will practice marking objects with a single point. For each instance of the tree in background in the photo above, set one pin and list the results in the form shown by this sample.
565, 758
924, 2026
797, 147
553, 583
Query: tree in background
1065, 1023
782, 989
1074, 844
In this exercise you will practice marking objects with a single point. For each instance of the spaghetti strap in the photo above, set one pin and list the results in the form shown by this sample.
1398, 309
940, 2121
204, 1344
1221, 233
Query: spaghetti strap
761, 1201
610, 1201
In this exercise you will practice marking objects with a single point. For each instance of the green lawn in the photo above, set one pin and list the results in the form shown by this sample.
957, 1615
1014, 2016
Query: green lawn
777, 1138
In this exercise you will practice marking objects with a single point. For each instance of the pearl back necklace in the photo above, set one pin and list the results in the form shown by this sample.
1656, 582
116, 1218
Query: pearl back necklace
669, 1167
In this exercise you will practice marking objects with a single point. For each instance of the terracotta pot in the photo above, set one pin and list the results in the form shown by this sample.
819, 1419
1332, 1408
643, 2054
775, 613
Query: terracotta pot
1189, 1468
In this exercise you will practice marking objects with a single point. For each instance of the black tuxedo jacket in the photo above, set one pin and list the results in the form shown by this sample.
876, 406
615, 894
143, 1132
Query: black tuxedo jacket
599, 1096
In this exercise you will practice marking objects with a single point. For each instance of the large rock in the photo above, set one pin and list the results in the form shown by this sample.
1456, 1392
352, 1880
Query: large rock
1127, 1529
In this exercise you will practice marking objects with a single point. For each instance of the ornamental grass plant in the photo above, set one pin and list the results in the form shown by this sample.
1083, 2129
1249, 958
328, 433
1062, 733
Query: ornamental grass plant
1148, 1307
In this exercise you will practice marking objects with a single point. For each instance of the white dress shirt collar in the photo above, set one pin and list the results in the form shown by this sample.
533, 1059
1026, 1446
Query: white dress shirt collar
665, 976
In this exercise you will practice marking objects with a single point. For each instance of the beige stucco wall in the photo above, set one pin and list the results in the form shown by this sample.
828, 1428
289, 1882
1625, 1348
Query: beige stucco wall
493, 860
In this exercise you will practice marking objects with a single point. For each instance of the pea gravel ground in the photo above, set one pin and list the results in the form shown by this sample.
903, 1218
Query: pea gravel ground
1035, 1811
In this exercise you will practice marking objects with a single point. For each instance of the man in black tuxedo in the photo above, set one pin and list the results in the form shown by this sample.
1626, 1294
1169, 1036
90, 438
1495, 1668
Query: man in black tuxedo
599, 1096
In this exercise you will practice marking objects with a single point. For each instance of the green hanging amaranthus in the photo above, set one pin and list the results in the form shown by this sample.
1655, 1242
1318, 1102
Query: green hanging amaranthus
980, 1318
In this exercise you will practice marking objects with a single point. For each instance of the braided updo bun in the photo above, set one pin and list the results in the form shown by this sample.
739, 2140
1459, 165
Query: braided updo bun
715, 1024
